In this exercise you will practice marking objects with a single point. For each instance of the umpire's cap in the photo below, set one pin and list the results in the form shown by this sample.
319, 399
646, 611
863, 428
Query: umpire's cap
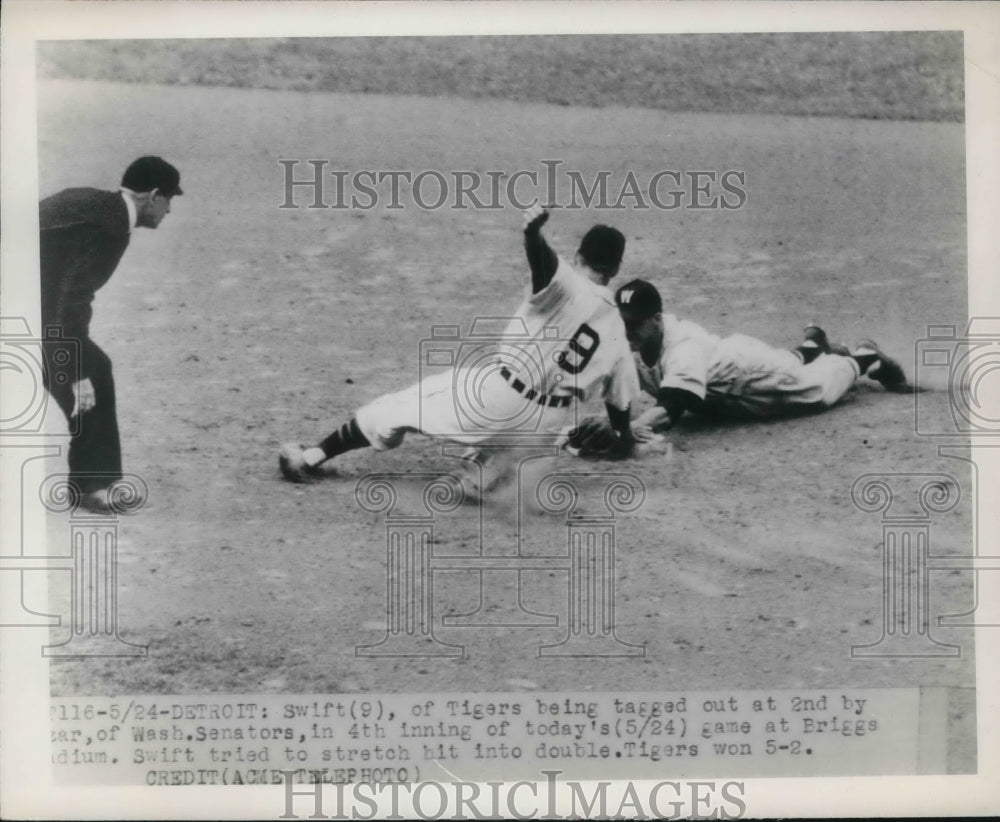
639, 300
148, 173
602, 248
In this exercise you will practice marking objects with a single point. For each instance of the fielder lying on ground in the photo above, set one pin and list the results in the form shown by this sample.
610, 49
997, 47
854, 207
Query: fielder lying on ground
572, 328
688, 369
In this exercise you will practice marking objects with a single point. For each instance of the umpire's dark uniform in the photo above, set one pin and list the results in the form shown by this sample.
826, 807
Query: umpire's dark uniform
84, 232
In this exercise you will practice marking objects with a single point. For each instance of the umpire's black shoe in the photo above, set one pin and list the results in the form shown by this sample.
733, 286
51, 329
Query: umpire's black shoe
117, 498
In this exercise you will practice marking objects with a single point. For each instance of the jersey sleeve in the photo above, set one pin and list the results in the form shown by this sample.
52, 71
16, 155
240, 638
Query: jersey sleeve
686, 357
565, 285
549, 299
622, 383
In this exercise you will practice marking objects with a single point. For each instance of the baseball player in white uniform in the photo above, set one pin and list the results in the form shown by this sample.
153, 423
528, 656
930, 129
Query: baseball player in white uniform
687, 368
565, 344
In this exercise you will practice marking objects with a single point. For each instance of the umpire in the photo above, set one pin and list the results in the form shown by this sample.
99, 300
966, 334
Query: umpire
84, 232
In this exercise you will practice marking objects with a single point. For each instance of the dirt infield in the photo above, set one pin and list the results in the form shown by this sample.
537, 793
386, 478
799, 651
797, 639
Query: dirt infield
239, 325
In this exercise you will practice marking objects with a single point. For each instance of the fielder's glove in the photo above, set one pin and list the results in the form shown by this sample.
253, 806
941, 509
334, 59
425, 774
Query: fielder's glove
595, 438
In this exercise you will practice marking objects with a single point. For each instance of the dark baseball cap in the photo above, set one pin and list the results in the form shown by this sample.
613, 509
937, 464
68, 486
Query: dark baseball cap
639, 299
602, 248
148, 173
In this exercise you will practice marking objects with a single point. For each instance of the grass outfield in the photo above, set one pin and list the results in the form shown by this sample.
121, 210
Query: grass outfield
878, 75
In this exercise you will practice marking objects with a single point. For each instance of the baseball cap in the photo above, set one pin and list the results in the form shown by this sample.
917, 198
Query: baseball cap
639, 299
148, 173
602, 248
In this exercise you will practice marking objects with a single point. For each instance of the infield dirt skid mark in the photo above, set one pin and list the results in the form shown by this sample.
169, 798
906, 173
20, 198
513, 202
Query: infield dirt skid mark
821, 544
717, 545
699, 583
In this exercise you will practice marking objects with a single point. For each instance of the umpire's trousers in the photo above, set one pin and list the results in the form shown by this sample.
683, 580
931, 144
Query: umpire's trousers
95, 453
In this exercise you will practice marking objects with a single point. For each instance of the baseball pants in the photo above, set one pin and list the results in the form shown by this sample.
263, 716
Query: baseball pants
95, 454
750, 378
475, 407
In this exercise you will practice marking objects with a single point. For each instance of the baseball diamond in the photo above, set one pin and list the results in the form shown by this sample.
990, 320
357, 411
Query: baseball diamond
241, 324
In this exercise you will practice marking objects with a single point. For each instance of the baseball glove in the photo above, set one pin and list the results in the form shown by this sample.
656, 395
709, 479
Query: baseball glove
594, 438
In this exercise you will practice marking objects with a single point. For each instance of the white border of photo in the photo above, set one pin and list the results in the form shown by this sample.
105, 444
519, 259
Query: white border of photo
27, 788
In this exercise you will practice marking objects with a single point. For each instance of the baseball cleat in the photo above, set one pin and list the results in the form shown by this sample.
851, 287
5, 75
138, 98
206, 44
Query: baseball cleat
293, 465
884, 370
97, 502
816, 335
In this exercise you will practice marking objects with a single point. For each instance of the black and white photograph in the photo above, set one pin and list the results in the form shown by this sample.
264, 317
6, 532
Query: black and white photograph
397, 404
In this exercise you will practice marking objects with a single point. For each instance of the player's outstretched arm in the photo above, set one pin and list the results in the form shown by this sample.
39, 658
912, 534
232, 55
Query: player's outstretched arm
541, 258
656, 419
671, 403
621, 424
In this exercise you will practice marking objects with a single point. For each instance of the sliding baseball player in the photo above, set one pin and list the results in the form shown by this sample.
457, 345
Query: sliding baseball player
572, 328
689, 369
